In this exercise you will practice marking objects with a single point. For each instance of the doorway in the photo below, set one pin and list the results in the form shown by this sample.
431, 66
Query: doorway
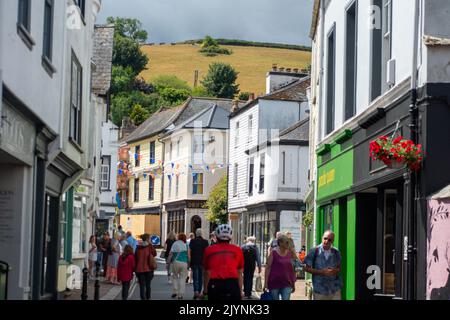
196, 223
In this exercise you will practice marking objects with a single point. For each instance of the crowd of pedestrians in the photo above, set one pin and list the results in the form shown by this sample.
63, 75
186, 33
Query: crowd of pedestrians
217, 269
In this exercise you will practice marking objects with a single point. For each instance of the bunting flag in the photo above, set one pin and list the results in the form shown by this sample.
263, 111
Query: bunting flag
169, 177
178, 166
191, 167
120, 172
145, 176
173, 165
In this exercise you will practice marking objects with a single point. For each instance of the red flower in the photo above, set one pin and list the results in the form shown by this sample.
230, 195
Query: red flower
397, 140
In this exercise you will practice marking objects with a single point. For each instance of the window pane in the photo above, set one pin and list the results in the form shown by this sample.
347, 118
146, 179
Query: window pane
48, 26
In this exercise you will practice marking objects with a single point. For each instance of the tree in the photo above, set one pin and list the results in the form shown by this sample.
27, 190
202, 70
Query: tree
169, 81
209, 42
220, 80
127, 53
139, 115
174, 96
244, 96
122, 79
217, 203
129, 28
211, 48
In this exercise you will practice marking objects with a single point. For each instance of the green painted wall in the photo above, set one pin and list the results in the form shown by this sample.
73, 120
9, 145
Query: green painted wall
350, 256
336, 175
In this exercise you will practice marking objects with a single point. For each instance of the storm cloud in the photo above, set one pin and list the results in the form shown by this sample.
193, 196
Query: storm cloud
281, 21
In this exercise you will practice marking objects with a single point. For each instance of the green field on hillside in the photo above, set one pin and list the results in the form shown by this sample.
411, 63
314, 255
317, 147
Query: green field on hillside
252, 63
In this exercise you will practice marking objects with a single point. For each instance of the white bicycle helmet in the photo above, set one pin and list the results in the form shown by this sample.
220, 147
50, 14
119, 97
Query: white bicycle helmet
224, 232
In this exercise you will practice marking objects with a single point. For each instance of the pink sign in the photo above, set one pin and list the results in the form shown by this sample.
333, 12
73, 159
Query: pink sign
438, 250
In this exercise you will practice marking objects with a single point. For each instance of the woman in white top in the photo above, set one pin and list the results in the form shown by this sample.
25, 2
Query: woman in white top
92, 254
179, 257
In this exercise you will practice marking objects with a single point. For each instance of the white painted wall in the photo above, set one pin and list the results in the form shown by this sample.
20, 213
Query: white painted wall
276, 81
402, 48
110, 147
296, 174
23, 72
238, 156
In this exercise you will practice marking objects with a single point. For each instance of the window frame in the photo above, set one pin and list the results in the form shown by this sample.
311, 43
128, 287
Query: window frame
251, 175
351, 73
330, 114
152, 152
196, 183
24, 23
75, 133
103, 165
262, 172
136, 190
236, 134
235, 179
151, 188
137, 151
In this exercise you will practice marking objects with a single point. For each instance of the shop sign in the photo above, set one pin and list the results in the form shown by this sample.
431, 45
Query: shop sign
17, 135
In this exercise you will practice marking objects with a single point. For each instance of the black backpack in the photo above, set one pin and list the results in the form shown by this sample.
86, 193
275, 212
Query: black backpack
249, 255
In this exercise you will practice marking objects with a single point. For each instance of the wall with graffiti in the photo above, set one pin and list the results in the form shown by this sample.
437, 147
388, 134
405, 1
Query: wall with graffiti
438, 250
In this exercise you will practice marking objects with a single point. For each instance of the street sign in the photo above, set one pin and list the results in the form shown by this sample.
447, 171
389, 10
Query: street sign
156, 241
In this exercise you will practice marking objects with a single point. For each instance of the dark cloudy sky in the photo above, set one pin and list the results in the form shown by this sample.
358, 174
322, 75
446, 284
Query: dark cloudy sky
281, 21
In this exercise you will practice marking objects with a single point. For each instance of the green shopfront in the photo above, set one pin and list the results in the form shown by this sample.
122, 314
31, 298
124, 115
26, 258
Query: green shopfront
337, 206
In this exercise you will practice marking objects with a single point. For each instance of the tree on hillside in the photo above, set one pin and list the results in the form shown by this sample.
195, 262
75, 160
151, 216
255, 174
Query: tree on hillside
217, 203
220, 80
169, 81
211, 48
129, 28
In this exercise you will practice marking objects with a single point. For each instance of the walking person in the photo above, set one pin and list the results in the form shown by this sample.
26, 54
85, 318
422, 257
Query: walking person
179, 257
197, 248
189, 278
131, 241
145, 266
324, 263
106, 251
113, 260
125, 269
93, 255
223, 264
273, 243
171, 238
252, 258
279, 276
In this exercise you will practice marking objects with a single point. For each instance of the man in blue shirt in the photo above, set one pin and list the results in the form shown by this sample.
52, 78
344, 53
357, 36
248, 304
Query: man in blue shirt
131, 241
324, 263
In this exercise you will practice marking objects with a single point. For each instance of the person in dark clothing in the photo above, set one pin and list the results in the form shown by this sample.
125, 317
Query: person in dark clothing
171, 238
197, 247
252, 258
106, 248
145, 266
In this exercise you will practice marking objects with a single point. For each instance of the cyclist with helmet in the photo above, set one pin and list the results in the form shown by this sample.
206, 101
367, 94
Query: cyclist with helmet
224, 265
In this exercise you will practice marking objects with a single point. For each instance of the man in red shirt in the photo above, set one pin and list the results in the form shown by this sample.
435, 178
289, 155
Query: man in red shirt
224, 265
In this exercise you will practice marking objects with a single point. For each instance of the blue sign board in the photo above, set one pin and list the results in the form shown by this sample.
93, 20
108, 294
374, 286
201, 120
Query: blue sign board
155, 240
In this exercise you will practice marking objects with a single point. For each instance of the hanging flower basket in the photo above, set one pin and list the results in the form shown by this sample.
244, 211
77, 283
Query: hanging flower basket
395, 153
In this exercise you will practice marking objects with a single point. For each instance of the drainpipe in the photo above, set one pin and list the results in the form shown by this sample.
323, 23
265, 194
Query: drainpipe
410, 238
319, 122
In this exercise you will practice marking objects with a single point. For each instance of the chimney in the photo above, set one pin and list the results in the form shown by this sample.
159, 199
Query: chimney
295, 70
288, 69
274, 67
281, 69
251, 97
235, 106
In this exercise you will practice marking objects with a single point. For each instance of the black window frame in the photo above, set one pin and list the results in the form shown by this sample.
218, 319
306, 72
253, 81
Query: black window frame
47, 47
331, 80
251, 175
24, 23
103, 158
76, 124
151, 188
351, 60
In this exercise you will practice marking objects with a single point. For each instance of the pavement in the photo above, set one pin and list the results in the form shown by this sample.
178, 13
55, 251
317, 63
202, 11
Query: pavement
161, 288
